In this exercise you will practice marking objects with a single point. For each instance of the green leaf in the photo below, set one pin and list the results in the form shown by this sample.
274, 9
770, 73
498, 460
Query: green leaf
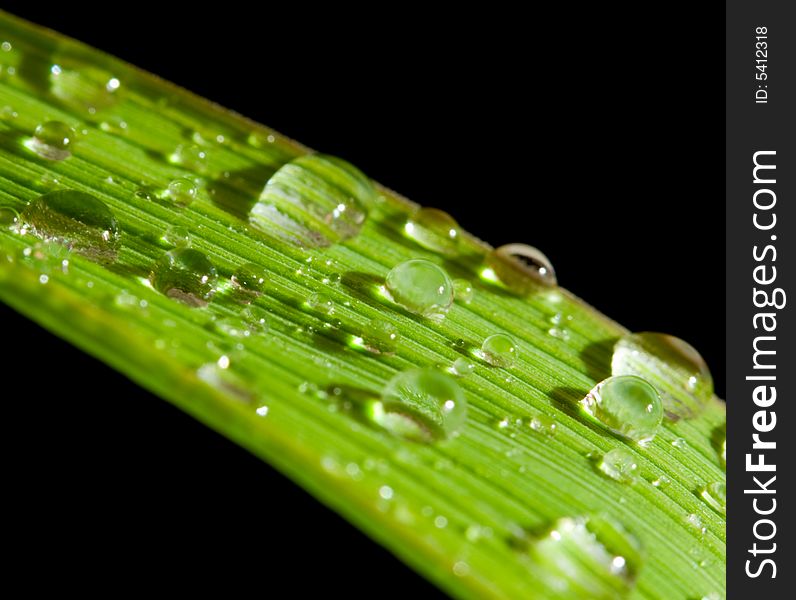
515, 506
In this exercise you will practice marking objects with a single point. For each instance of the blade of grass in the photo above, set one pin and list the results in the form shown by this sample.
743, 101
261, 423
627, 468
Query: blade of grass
458, 511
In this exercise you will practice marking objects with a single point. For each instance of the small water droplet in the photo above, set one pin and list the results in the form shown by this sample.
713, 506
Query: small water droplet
680, 443
500, 350
219, 376
78, 220
521, 268
8, 216
434, 229
715, 494
422, 405
115, 125
314, 200
250, 278
587, 557
233, 327
262, 411
177, 235
380, 337
619, 464
462, 367
7, 113
461, 568
674, 367
52, 140
627, 405
543, 424
186, 275
421, 287
190, 156
321, 303
695, 522
144, 194
182, 191
440, 522
463, 291
661, 482
385, 492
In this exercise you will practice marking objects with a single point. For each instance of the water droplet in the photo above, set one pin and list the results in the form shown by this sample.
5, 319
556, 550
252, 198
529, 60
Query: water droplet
422, 405
250, 278
463, 291
82, 86
462, 367
314, 200
76, 219
671, 365
177, 235
680, 443
619, 465
8, 216
380, 337
461, 568
661, 482
190, 156
434, 229
219, 376
543, 424
144, 194
522, 269
385, 492
588, 557
182, 191
52, 140
321, 303
695, 522
186, 275
420, 287
500, 350
715, 494
627, 405
7, 113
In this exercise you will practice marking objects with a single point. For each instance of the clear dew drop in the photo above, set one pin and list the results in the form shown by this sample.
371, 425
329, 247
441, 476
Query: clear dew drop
674, 367
434, 229
321, 303
8, 216
182, 191
52, 140
661, 482
176, 235
380, 337
422, 405
186, 275
521, 268
463, 291
695, 522
191, 156
591, 557
619, 464
626, 405
462, 367
543, 424
75, 219
715, 495
421, 287
500, 350
314, 200
680, 443
250, 278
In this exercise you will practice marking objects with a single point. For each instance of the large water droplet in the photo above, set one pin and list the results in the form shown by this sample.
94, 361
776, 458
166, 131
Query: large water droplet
500, 350
186, 275
521, 268
715, 494
52, 140
627, 405
421, 287
619, 464
422, 405
76, 219
671, 365
588, 557
434, 229
314, 200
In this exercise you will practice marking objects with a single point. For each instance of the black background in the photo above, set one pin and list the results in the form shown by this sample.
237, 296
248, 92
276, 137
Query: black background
594, 134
